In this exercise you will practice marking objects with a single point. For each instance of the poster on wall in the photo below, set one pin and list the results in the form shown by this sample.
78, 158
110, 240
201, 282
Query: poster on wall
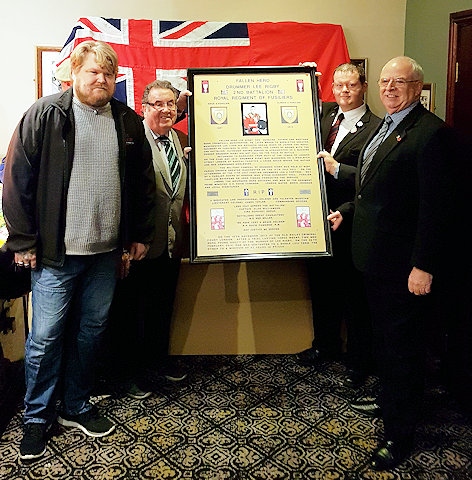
256, 186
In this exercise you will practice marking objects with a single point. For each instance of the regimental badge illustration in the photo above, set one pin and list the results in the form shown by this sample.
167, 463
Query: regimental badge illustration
300, 85
217, 218
218, 115
303, 217
289, 114
205, 86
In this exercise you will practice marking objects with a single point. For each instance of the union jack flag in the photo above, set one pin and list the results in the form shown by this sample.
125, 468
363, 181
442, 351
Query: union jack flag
150, 49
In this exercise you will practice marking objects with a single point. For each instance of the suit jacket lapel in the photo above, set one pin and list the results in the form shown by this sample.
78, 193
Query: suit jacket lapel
395, 138
351, 136
181, 159
327, 121
159, 159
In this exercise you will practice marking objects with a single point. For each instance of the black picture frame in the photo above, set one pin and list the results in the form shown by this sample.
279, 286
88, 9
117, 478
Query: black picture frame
256, 191
361, 62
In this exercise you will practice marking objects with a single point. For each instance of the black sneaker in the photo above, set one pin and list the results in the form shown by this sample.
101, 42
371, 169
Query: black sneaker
354, 379
136, 392
368, 406
33, 443
309, 357
174, 372
90, 422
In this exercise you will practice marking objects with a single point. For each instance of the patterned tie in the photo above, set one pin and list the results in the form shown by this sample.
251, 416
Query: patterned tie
174, 165
333, 132
373, 146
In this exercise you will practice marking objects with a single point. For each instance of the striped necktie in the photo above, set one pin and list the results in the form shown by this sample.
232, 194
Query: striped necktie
333, 133
373, 146
174, 166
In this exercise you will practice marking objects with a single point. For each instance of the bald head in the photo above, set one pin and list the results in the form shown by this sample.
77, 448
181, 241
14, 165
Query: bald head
401, 82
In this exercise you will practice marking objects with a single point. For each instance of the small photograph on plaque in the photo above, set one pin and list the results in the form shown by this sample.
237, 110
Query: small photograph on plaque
303, 217
217, 218
254, 118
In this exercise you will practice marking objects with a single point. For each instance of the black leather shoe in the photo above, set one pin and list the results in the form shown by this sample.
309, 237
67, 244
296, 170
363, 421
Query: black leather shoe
354, 379
388, 456
309, 357
367, 406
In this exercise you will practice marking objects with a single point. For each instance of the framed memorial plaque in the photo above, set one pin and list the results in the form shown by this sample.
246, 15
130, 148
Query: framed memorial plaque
256, 187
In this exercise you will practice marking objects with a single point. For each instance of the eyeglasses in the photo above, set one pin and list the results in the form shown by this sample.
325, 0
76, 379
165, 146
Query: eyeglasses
349, 86
399, 82
160, 106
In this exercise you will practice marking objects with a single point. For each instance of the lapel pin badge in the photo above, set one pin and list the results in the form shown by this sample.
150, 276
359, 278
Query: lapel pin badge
399, 139
359, 124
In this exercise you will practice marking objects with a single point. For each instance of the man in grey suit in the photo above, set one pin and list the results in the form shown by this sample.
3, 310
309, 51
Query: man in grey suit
336, 286
143, 305
400, 219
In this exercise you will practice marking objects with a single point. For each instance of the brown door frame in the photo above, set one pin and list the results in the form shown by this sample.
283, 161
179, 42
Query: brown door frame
455, 21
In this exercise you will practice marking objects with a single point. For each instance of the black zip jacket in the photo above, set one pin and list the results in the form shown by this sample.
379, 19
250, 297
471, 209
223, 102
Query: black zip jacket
37, 173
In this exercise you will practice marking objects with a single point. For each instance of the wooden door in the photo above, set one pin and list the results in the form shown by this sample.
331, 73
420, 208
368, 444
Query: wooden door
459, 79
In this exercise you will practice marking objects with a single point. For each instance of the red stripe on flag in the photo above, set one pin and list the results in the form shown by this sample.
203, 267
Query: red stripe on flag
89, 24
183, 31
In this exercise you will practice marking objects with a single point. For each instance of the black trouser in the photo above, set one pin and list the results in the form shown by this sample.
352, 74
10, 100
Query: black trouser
398, 319
337, 295
141, 315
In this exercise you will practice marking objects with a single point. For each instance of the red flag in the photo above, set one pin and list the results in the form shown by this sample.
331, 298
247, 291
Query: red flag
150, 49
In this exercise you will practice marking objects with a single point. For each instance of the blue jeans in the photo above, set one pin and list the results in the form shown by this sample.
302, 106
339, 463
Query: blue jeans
70, 310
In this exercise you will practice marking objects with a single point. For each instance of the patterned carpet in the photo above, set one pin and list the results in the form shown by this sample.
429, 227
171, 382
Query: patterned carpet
260, 417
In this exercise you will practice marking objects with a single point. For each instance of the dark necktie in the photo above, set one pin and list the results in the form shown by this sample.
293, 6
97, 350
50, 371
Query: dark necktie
333, 132
174, 166
373, 146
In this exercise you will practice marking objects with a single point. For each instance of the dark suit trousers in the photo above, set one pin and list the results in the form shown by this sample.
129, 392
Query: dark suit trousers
337, 295
141, 315
398, 319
